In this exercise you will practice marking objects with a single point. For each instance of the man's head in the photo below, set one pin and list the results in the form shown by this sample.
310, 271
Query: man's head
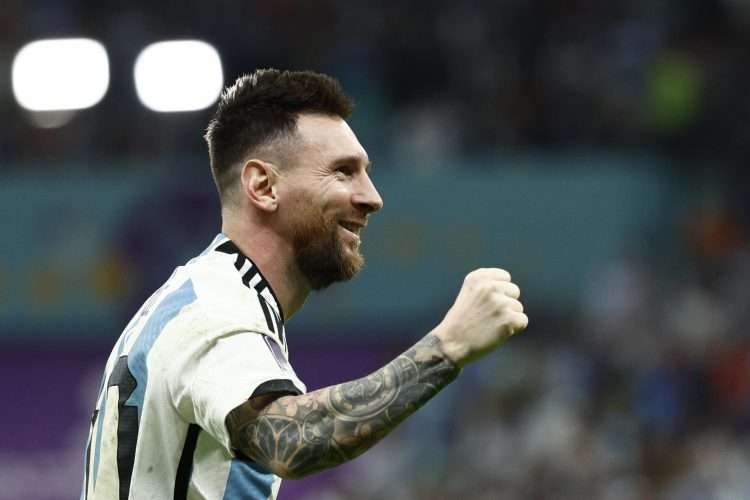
257, 118
281, 149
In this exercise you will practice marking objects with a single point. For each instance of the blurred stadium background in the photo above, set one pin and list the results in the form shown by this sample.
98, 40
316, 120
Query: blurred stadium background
595, 149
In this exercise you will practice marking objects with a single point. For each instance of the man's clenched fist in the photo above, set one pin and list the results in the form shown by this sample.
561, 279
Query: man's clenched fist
486, 312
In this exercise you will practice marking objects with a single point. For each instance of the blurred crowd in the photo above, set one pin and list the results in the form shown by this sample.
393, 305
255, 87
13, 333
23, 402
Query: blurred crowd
644, 393
430, 78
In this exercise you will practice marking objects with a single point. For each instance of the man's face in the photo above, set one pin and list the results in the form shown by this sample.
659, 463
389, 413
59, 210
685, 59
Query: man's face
326, 199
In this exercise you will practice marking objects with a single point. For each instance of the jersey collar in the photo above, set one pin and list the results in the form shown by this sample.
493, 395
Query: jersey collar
251, 275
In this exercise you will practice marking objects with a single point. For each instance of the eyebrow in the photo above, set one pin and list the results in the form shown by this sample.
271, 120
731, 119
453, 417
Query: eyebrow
353, 159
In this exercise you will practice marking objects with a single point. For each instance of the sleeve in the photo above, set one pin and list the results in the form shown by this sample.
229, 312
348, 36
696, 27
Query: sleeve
236, 367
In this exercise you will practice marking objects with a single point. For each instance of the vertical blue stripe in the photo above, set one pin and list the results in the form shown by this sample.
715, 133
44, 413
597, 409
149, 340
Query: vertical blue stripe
248, 481
163, 314
142, 311
167, 309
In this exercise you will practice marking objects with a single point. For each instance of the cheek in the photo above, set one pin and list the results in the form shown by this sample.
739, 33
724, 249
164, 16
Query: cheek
329, 200
336, 199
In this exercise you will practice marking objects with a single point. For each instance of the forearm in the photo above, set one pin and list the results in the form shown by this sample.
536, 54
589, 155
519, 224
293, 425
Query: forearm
298, 435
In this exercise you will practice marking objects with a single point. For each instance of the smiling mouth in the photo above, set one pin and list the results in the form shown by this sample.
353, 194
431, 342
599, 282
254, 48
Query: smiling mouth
352, 227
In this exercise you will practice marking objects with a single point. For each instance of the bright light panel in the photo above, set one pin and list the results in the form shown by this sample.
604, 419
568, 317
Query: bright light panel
183, 75
60, 74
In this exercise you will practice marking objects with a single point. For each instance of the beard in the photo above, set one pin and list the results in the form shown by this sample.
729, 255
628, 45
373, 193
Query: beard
320, 253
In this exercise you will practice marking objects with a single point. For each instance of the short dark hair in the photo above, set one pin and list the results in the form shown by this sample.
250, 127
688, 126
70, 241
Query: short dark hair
261, 107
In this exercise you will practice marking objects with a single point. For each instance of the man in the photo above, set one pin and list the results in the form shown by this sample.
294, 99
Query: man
198, 399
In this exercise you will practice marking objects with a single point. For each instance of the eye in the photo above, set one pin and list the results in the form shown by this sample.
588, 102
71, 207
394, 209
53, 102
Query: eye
344, 171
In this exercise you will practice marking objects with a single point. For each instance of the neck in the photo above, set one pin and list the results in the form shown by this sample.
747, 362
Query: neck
274, 256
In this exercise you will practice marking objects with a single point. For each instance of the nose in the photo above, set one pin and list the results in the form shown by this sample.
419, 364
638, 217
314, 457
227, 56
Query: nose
367, 198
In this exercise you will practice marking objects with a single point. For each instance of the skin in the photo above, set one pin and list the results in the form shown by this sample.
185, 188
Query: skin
324, 165
328, 177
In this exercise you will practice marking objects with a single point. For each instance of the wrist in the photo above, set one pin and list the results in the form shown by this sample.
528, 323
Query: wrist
454, 352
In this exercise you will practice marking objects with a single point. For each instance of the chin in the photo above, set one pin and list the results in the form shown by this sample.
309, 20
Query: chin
326, 257
338, 270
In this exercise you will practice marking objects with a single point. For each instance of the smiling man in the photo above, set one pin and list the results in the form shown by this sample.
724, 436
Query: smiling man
198, 398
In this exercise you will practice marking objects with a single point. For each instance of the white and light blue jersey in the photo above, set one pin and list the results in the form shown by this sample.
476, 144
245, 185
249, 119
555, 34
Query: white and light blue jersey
210, 338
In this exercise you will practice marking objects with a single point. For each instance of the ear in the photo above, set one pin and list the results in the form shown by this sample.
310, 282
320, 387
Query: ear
258, 182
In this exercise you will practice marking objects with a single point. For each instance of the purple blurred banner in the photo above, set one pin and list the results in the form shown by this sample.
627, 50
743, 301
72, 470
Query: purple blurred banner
50, 392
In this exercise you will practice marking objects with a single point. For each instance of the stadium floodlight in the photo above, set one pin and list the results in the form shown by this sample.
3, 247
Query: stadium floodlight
178, 75
60, 74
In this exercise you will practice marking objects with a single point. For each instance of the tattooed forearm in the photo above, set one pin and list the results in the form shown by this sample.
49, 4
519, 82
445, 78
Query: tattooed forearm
298, 435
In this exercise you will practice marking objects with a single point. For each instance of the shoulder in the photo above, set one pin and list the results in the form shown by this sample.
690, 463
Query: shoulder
221, 296
227, 295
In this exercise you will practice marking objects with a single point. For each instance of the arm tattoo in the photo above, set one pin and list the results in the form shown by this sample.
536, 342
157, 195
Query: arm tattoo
298, 435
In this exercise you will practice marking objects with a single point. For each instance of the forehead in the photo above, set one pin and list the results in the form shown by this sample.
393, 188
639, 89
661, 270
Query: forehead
329, 136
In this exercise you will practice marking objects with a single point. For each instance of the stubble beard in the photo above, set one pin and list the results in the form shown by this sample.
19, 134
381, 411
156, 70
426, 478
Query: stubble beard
321, 255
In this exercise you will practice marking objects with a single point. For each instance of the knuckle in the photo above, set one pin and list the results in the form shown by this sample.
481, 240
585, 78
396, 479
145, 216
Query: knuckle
498, 298
494, 273
472, 276
486, 288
